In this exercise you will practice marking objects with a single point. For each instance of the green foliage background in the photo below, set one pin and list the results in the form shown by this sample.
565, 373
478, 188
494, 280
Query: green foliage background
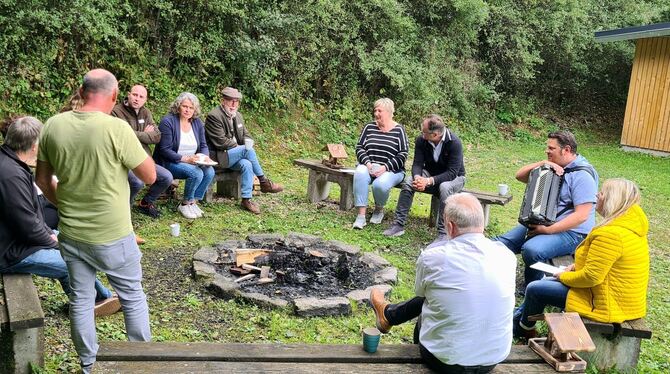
460, 58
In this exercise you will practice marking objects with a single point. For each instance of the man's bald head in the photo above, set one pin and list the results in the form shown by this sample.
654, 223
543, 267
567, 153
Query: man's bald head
99, 89
464, 211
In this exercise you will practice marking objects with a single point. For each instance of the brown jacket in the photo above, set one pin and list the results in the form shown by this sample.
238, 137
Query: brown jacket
219, 131
138, 121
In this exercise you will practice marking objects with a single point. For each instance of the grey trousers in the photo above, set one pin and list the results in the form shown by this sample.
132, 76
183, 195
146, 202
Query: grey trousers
444, 190
120, 260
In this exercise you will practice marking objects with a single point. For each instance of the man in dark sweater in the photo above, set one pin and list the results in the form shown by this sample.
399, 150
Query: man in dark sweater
437, 169
27, 244
133, 111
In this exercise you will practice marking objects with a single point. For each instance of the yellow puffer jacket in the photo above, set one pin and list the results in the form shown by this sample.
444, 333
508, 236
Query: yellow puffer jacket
609, 283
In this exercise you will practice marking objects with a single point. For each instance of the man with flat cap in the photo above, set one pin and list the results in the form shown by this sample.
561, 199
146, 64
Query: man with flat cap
226, 135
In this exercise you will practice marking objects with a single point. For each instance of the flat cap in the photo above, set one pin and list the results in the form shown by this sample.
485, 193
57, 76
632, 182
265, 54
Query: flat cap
231, 93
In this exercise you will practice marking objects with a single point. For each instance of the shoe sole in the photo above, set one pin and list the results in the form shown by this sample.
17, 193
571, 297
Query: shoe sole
107, 307
394, 235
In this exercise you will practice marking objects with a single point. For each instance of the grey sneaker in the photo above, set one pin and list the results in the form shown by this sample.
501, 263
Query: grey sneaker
359, 223
377, 215
394, 230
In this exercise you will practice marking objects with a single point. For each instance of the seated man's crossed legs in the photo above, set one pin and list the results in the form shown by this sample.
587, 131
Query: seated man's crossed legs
246, 162
147, 204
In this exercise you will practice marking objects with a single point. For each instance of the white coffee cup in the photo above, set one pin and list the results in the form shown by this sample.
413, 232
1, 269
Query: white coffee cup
174, 229
375, 167
503, 189
248, 143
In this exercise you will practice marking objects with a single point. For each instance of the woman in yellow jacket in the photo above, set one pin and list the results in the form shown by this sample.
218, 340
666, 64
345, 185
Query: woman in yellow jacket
608, 281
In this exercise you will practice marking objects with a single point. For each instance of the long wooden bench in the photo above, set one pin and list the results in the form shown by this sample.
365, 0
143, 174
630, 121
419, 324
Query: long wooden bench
133, 357
321, 176
21, 324
617, 345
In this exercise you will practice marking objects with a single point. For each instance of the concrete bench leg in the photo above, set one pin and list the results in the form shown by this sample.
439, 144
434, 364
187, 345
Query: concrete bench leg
229, 188
27, 347
487, 209
318, 187
434, 210
346, 194
621, 353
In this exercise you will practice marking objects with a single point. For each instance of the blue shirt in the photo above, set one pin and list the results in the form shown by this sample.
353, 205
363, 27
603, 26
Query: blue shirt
579, 187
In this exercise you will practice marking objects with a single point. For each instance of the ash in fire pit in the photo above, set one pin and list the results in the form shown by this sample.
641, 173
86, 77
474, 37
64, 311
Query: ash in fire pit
316, 277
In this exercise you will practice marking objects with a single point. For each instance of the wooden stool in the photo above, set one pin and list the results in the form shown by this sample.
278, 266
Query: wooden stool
567, 335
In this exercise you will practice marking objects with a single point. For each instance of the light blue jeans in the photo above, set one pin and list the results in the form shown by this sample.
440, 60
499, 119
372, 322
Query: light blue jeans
239, 158
540, 248
49, 263
381, 186
198, 178
120, 260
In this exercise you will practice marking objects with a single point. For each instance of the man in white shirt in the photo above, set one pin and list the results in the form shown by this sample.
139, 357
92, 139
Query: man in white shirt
465, 296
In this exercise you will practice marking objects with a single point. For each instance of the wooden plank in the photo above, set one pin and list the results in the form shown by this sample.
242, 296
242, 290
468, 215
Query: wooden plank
490, 198
629, 114
654, 95
286, 367
248, 255
23, 303
318, 166
569, 332
335, 353
648, 63
636, 328
662, 142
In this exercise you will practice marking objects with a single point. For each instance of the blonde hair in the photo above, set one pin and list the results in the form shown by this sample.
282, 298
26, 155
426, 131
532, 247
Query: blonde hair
618, 195
386, 104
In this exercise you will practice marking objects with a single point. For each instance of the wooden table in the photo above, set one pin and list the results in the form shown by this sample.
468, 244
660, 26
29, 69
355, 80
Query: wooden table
137, 357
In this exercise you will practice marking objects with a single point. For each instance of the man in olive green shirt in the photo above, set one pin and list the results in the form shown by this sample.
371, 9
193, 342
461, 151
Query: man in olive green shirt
91, 152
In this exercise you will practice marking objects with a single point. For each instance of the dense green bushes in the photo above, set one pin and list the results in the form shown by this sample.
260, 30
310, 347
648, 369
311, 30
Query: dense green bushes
457, 57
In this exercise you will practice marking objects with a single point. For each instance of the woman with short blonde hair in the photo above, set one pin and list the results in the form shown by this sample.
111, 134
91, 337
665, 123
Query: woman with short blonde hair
608, 281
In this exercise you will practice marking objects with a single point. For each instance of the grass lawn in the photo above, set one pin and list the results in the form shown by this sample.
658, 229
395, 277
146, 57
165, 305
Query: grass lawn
181, 310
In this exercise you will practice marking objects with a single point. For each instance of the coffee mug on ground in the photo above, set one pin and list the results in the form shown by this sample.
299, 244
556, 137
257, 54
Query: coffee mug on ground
371, 338
503, 189
174, 229
248, 143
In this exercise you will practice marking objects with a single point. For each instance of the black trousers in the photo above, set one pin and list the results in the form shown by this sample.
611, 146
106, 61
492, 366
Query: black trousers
402, 312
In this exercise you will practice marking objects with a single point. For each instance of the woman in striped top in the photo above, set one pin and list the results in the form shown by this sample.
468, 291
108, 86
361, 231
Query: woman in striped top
381, 153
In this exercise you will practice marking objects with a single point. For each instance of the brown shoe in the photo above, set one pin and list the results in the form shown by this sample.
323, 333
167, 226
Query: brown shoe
268, 186
250, 206
107, 307
139, 240
379, 305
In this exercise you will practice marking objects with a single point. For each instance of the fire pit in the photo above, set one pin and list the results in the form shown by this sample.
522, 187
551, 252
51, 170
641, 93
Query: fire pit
304, 272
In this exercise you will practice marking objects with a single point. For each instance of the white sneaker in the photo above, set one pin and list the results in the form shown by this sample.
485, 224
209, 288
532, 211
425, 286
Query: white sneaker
359, 223
187, 212
377, 215
196, 209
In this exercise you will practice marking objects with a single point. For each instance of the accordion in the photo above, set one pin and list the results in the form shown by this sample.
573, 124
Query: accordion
540, 200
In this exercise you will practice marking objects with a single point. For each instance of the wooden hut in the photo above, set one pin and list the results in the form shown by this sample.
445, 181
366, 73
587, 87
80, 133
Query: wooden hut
646, 124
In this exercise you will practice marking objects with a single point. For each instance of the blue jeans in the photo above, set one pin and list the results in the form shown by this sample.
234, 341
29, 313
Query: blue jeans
198, 178
239, 158
381, 186
540, 248
49, 263
539, 294
120, 260
163, 181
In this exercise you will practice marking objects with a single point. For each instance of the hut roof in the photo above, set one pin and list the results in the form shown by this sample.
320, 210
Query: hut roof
637, 32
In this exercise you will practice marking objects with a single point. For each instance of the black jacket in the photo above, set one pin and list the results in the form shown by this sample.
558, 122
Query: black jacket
448, 166
22, 228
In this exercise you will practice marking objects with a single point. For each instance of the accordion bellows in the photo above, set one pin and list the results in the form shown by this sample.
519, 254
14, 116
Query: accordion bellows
540, 200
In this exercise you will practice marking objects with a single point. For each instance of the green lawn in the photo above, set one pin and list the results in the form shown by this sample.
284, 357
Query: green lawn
181, 310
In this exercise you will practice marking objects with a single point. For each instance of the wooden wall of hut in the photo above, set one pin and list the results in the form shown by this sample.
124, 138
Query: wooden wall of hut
647, 119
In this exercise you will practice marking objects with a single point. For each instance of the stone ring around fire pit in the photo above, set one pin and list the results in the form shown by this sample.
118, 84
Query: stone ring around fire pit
313, 276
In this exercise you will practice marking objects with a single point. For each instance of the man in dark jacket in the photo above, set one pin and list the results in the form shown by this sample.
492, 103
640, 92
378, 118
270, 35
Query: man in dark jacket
27, 244
133, 111
231, 146
437, 169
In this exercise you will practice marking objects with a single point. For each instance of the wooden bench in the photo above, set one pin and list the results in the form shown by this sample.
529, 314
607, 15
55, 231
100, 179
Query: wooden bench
320, 177
21, 324
617, 345
129, 357
227, 184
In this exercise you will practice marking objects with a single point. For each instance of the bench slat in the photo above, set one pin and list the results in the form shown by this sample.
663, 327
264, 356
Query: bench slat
489, 198
287, 367
23, 303
342, 353
635, 328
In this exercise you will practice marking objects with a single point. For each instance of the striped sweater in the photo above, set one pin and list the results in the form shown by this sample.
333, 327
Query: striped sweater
385, 148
